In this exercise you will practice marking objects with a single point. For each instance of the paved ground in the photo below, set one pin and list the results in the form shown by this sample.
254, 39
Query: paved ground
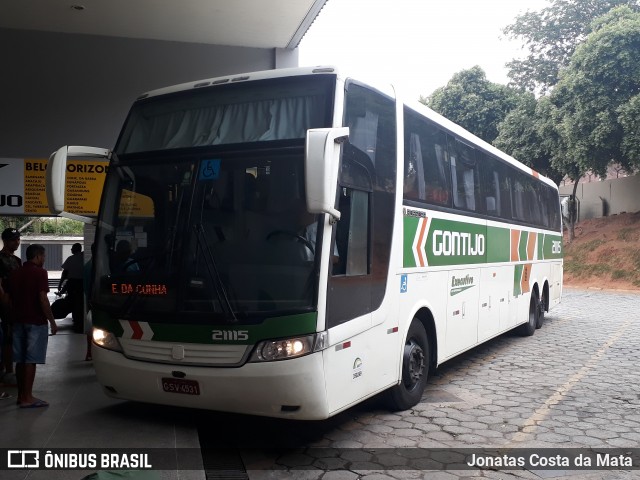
574, 384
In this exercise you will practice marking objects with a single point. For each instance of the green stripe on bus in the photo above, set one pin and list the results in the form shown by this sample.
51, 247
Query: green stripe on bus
522, 248
517, 280
276, 327
498, 241
457, 243
540, 246
552, 247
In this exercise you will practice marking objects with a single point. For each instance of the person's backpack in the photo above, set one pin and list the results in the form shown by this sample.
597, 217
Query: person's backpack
61, 308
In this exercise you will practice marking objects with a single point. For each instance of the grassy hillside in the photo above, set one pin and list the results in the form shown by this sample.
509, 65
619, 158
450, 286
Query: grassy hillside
605, 253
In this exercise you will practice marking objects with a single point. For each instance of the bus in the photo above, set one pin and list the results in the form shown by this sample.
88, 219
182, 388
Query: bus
289, 243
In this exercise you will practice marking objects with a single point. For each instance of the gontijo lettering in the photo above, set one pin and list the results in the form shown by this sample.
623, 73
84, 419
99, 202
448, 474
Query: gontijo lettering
457, 243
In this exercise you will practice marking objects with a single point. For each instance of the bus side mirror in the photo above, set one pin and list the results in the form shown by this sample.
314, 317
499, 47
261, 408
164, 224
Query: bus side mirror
56, 177
322, 159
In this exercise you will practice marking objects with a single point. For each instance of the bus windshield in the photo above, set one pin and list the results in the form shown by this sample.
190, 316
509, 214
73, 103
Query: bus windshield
255, 111
203, 215
207, 238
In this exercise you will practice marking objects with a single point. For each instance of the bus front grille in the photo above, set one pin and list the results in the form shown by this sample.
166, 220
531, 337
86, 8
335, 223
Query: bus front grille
184, 353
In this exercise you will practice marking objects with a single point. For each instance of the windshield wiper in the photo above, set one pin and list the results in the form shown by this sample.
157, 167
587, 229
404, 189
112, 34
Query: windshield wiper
212, 268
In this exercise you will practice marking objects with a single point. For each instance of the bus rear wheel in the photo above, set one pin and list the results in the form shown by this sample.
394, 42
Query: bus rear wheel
415, 369
541, 308
529, 328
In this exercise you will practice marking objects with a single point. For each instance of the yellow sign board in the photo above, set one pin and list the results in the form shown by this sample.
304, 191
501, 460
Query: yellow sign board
84, 184
134, 204
23, 189
22, 184
35, 195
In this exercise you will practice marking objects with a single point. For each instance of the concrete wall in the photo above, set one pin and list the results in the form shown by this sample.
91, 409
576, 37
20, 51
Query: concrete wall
608, 197
65, 89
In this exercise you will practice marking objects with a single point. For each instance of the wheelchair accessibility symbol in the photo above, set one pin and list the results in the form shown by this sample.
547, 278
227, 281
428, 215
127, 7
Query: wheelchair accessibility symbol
209, 170
403, 284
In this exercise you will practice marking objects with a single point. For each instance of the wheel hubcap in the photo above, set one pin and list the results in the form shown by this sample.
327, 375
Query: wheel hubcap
413, 364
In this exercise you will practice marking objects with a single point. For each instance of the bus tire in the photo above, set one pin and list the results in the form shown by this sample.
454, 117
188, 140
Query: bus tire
415, 370
529, 328
541, 307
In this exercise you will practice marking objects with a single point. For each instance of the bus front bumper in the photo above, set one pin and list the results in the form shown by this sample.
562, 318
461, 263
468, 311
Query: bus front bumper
292, 388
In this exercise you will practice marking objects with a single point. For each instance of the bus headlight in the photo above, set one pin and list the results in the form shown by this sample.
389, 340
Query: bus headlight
105, 339
272, 350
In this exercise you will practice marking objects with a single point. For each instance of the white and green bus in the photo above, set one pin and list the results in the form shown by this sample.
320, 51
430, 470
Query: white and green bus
289, 243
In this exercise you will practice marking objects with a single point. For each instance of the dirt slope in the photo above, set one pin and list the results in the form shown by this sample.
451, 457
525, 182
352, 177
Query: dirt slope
605, 253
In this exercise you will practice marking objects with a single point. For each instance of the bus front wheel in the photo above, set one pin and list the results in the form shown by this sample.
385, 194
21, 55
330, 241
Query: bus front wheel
415, 369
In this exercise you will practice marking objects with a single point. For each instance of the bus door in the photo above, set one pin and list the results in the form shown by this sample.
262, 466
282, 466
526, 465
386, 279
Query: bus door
348, 297
361, 248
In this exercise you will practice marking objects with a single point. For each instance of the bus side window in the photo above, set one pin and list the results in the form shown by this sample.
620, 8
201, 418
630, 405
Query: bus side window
464, 175
352, 233
495, 187
505, 192
551, 200
518, 199
426, 162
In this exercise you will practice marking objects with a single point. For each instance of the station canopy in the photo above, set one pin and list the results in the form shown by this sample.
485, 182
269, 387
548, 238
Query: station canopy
243, 23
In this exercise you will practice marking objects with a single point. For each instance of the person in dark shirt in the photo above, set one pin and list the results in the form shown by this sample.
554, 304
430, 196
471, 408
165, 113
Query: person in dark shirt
28, 287
8, 262
87, 285
72, 274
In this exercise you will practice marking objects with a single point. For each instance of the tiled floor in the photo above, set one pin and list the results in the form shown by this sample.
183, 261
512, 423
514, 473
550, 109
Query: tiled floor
81, 416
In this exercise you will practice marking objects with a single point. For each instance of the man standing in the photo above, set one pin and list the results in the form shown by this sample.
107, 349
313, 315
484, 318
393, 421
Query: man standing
8, 262
72, 272
568, 208
28, 288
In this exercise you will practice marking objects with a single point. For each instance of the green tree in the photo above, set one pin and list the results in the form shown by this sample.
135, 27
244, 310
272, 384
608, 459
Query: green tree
551, 36
531, 134
37, 225
630, 122
597, 95
555, 143
62, 226
13, 221
473, 102
528, 134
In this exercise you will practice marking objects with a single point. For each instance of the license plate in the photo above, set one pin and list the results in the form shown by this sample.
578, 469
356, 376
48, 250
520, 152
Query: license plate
180, 385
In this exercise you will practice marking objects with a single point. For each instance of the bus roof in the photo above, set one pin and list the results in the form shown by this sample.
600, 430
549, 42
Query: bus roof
240, 77
328, 69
